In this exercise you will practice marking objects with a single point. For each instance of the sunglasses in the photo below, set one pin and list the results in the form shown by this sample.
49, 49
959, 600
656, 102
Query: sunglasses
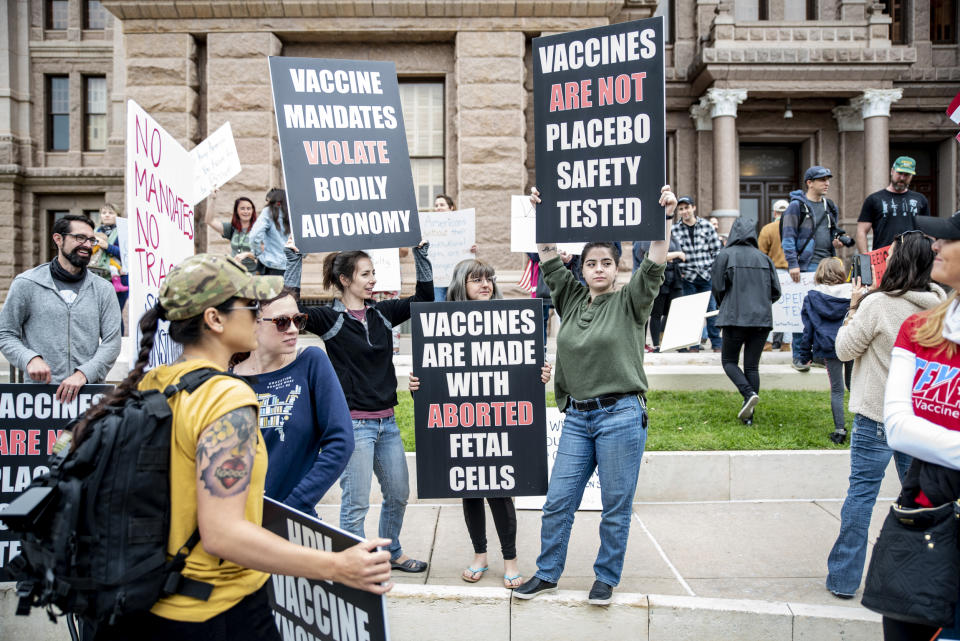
283, 322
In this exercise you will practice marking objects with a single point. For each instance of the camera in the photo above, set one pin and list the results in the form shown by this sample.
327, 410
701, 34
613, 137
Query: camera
841, 235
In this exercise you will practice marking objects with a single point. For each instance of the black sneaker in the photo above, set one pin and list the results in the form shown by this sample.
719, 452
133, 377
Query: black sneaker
600, 594
534, 587
746, 411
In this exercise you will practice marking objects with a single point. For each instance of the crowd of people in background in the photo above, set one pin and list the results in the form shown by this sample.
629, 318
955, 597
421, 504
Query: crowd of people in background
328, 415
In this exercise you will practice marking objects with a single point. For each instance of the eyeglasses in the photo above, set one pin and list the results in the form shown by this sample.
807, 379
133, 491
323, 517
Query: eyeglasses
283, 322
477, 281
255, 308
83, 239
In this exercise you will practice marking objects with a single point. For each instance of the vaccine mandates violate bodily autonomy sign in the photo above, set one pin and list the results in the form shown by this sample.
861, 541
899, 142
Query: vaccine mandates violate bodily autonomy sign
479, 414
31, 419
598, 98
159, 183
344, 153
320, 610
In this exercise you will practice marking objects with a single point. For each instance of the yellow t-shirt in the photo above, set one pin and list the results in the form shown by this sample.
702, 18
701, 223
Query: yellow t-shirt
191, 414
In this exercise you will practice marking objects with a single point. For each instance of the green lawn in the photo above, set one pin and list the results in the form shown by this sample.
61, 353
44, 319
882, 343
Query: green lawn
707, 420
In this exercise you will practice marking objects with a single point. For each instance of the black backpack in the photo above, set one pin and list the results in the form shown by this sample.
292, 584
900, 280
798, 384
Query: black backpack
831, 208
97, 544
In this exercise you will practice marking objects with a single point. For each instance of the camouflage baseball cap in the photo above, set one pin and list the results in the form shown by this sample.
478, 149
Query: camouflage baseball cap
206, 280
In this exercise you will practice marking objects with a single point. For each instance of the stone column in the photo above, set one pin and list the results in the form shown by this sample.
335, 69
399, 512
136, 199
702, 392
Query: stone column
875, 108
726, 171
238, 91
490, 127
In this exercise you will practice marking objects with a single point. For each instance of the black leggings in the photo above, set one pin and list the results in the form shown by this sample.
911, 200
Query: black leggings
250, 620
839, 374
751, 340
504, 518
900, 631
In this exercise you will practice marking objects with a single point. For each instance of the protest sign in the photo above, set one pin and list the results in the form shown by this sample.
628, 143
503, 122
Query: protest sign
878, 263
320, 610
479, 414
344, 152
215, 162
31, 419
685, 321
523, 225
786, 311
451, 234
598, 97
591, 494
386, 266
158, 182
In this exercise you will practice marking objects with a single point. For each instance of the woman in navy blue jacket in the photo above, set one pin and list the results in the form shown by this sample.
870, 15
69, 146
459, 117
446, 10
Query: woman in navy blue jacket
303, 414
823, 311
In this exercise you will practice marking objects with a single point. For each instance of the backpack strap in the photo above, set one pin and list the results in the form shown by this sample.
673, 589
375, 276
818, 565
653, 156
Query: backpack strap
176, 583
191, 381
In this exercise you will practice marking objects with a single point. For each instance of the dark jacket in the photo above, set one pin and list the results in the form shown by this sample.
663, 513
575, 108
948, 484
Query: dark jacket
362, 353
797, 239
822, 314
745, 281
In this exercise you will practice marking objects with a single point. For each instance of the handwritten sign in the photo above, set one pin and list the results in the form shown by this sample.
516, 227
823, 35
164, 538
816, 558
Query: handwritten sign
344, 153
386, 266
786, 311
215, 162
159, 178
591, 494
598, 98
878, 263
451, 234
523, 225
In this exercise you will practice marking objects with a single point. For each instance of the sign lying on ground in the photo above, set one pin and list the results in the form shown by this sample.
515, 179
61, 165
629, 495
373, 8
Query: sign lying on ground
215, 162
159, 182
344, 153
591, 494
786, 311
31, 419
480, 410
598, 98
451, 234
320, 610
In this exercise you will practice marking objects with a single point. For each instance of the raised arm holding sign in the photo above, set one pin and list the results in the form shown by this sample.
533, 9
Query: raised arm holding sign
599, 123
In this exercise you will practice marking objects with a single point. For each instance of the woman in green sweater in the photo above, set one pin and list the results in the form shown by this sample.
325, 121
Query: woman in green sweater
600, 386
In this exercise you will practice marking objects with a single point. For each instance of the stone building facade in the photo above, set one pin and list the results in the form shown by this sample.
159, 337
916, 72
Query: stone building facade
757, 90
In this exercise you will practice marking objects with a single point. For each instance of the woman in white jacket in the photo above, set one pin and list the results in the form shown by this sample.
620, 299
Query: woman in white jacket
867, 337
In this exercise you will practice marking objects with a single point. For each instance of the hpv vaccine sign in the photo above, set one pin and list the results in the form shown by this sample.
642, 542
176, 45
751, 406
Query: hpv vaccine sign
31, 419
598, 98
320, 610
480, 411
344, 153
159, 185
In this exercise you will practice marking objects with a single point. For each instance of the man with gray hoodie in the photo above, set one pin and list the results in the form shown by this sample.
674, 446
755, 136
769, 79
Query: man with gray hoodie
59, 324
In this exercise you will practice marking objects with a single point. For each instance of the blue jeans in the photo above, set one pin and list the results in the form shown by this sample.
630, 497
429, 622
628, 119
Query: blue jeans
439, 294
378, 450
869, 456
291, 276
703, 285
610, 440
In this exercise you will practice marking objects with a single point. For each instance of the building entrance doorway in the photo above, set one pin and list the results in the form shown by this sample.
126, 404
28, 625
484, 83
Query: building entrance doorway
767, 174
925, 182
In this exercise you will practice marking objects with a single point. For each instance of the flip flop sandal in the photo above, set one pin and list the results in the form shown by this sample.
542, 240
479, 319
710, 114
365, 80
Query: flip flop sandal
508, 581
410, 565
472, 579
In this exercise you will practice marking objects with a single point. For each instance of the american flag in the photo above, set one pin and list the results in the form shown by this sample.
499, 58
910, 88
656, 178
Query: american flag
529, 277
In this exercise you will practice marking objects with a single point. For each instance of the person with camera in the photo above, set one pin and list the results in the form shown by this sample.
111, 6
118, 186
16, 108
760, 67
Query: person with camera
810, 233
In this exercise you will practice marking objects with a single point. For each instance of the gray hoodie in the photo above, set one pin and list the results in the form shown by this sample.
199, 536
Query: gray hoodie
36, 321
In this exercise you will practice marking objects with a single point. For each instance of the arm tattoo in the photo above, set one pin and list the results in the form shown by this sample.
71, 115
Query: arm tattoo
226, 450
